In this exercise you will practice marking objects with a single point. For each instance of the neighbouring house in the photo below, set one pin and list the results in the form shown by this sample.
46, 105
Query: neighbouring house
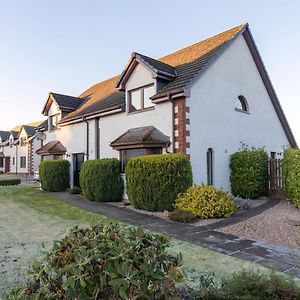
4, 135
203, 100
18, 149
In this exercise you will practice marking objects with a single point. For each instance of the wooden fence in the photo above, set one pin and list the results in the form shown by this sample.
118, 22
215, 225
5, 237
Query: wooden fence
275, 186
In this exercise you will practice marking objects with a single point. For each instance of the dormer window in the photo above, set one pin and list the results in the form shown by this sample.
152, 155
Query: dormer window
241, 104
139, 99
53, 121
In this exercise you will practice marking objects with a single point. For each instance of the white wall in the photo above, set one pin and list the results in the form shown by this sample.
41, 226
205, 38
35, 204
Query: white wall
22, 151
73, 137
111, 127
215, 123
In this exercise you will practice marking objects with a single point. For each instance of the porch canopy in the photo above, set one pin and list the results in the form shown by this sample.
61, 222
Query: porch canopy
2, 155
141, 137
52, 148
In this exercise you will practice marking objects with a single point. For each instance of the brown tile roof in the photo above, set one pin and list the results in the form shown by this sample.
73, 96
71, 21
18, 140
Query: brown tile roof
187, 62
53, 147
147, 135
99, 97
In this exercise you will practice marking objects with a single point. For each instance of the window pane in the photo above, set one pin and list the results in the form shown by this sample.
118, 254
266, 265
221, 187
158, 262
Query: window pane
135, 98
128, 154
238, 104
148, 92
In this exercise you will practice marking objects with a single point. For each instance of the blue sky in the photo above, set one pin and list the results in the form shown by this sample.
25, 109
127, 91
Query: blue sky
65, 46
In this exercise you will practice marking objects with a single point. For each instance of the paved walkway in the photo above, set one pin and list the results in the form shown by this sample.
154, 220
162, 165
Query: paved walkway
277, 257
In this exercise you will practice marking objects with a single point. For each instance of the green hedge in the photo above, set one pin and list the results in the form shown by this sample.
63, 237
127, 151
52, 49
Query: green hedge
154, 181
291, 174
13, 181
54, 175
100, 180
249, 173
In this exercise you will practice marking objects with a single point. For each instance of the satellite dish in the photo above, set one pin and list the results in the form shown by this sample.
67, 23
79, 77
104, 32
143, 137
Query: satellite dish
40, 136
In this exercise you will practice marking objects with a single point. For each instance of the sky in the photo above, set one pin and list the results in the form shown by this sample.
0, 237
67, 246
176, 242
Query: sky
65, 46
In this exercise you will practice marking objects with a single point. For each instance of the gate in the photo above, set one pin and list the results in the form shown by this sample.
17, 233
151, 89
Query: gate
7, 165
275, 187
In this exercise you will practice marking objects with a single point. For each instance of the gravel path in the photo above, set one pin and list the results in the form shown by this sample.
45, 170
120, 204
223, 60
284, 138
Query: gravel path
278, 225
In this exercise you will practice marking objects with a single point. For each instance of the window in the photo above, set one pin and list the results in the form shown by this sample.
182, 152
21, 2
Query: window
53, 120
22, 141
139, 99
1, 162
210, 165
14, 160
241, 104
125, 155
23, 162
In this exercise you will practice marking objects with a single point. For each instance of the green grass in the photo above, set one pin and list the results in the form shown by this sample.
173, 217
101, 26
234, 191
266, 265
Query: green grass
40, 201
30, 220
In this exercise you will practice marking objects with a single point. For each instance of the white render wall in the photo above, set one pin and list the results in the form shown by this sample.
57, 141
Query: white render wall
112, 126
215, 123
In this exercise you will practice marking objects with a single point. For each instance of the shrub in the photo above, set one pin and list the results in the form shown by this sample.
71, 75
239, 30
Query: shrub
204, 201
100, 180
54, 175
246, 285
154, 181
249, 173
105, 262
13, 181
291, 175
182, 216
255, 286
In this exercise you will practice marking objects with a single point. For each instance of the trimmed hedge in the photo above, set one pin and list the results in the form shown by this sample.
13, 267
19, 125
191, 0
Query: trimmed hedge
291, 175
7, 182
249, 173
54, 175
100, 180
154, 181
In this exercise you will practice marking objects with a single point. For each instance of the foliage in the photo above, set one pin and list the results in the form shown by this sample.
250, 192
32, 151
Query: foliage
105, 262
243, 286
154, 181
75, 190
182, 216
249, 172
204, 201
291, 174
255, 286
54, 175
100, 180
7, 182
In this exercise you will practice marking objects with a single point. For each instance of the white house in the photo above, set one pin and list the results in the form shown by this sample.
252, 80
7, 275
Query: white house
18, 150
203, 100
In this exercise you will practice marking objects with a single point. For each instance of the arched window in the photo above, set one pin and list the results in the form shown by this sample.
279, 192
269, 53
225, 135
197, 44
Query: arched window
210, 166
241, 104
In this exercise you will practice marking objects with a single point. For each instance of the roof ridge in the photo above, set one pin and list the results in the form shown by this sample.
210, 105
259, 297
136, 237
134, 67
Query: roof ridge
203, 41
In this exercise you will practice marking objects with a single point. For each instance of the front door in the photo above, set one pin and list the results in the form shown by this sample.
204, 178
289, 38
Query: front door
78, 160
7, 165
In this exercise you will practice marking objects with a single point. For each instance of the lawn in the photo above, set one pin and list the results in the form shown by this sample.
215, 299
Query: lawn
30, 220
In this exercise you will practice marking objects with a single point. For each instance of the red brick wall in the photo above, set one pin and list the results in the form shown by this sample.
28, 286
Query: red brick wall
181, 133
30, 159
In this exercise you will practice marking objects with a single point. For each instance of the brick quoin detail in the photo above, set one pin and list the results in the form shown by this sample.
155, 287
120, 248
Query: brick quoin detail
180, 125
30, 158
